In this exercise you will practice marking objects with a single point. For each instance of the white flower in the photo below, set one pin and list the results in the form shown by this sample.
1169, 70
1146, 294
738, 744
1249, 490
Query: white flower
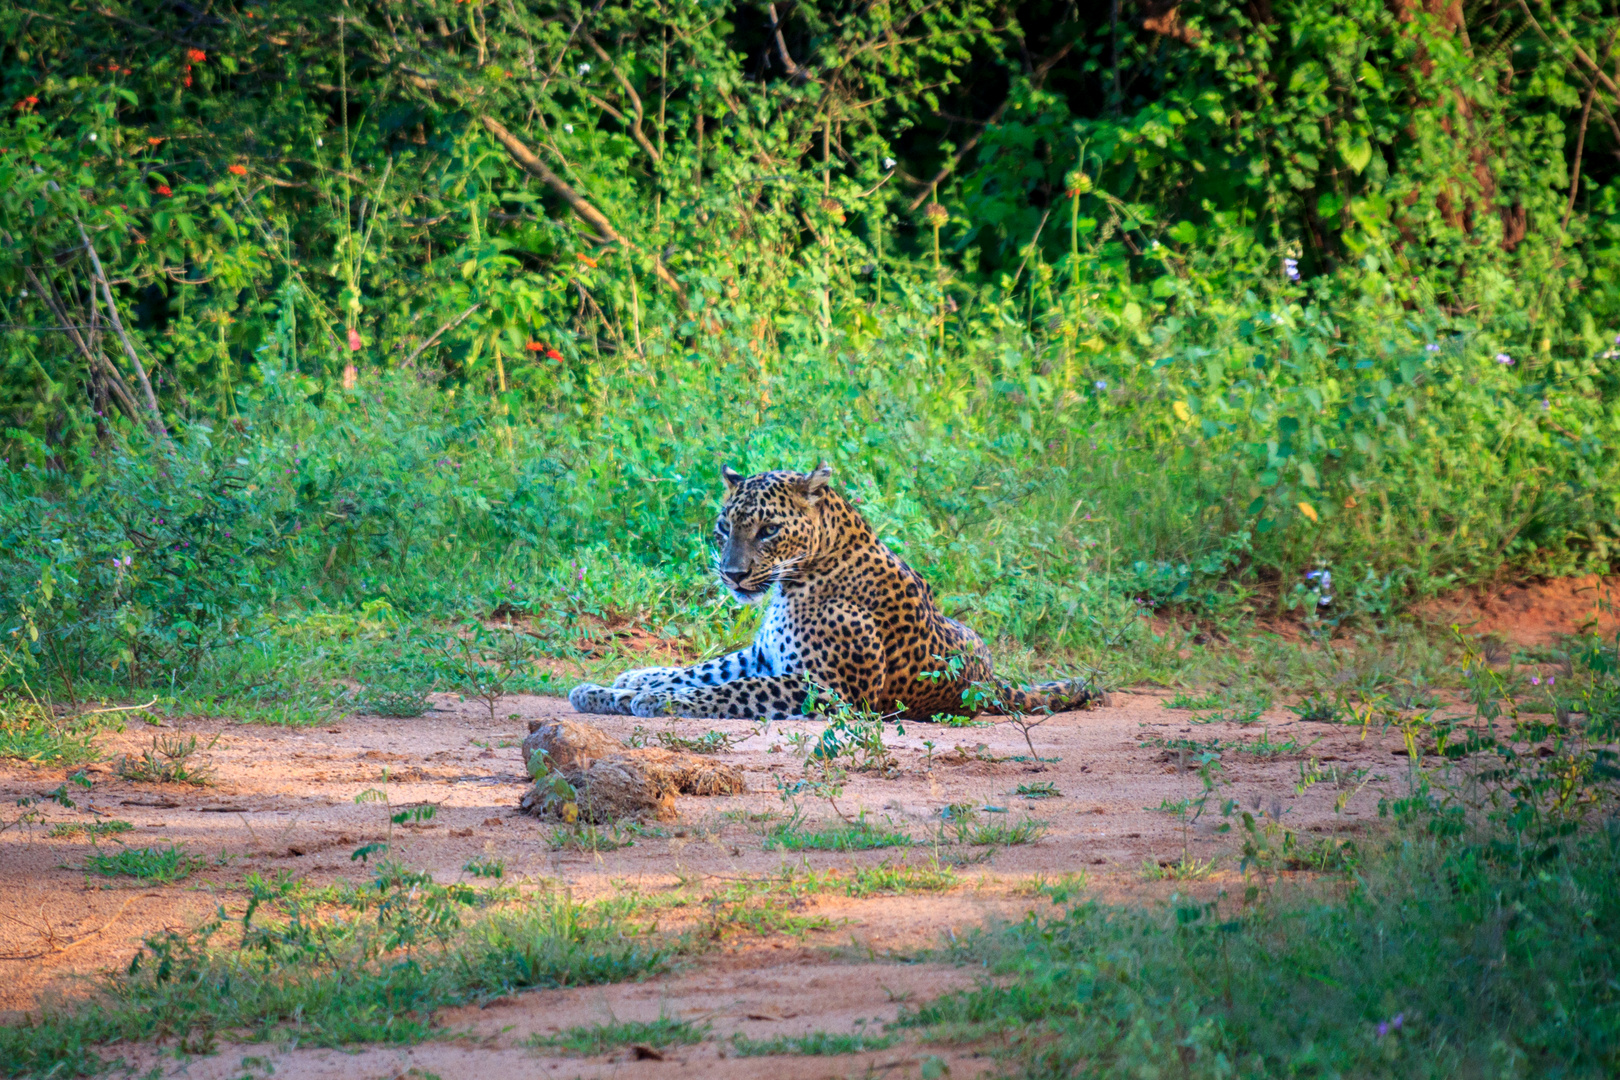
888, 163
568, 128
92, 136
25, 293
584, 69
319, 141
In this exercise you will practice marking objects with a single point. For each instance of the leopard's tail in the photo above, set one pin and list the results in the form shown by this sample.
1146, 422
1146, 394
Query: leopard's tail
1047, 697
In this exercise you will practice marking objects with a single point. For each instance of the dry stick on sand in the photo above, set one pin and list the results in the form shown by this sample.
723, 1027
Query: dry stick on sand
49, 936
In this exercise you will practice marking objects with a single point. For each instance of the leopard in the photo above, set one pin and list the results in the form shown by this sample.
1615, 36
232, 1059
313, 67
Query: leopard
845, 620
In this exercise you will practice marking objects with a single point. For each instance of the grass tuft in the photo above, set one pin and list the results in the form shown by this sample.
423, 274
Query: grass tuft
168, 761
858, 835
600, 1038
163, 865
897, 879
95, 830
817, 1043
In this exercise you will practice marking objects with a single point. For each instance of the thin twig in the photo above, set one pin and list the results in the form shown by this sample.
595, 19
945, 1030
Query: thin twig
451, 325
120, 708
75, 942
578, 203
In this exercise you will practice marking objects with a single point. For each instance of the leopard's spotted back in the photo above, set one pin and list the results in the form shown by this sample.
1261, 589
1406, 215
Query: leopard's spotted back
846, 614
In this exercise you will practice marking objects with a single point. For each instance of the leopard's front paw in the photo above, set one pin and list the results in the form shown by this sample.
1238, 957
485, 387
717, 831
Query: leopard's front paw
658, 703
644, 678
590, 698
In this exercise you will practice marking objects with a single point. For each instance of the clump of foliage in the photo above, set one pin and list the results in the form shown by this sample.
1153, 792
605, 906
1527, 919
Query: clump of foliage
459, 311
168, 761
1414, 968
163, 865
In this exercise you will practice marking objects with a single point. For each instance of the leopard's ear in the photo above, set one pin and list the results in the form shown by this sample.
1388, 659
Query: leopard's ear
732, 478
816, 483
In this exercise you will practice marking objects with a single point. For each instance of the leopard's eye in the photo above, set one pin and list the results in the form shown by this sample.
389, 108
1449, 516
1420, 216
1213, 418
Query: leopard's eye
768, 531
722, 526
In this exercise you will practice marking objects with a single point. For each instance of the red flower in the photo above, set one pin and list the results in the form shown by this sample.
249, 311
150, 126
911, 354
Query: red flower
553, 354
187, 80
196, 56
237, 170
587, 260
354, 340
163, 189
28, 103
535, 346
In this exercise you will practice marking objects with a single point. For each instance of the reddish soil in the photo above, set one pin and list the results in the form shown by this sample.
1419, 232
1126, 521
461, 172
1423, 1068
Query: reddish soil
283, 800
1532, 614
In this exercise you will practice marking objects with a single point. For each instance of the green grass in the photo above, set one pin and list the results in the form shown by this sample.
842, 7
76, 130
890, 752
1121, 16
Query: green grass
1183, 700
375, 975
857, 835
996, 831
1186, 868
584, 836
1044, 789
817, 1043
392, 701
897, 879
163, 865
600, 1038
168, 761
1437, 960
30, 735
95, 830
710, 742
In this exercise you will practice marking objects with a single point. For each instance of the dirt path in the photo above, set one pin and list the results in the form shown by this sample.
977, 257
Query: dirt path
284, 800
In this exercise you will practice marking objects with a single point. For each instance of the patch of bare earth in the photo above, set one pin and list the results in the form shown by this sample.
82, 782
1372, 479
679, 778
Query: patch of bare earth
284, 800
1532, 613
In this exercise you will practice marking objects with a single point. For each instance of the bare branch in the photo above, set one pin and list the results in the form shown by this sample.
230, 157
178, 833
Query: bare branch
630, 93
581, 206
156, 421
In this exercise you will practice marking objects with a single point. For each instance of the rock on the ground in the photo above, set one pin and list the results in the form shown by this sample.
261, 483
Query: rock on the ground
569, 745
611, 781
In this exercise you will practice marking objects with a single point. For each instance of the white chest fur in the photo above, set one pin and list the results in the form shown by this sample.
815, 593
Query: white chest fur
776, 646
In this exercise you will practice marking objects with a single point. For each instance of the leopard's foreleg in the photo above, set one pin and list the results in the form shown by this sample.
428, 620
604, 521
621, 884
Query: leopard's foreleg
760, 697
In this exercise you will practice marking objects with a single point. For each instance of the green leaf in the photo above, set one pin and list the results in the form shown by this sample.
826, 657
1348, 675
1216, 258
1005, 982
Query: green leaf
1356, 152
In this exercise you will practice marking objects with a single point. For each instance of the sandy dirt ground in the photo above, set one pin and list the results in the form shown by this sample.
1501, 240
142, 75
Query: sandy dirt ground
284, 800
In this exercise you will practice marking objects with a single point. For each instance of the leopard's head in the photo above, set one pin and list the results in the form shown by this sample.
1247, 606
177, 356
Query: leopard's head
767, 528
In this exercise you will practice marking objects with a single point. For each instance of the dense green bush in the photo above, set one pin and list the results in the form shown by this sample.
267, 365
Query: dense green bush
1213, 299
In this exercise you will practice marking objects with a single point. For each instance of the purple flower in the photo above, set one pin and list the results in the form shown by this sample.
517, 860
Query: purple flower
1535, 680
1431, 347
1549, 680
1291, 268
1400, 1018
1504, 358
1101, 384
